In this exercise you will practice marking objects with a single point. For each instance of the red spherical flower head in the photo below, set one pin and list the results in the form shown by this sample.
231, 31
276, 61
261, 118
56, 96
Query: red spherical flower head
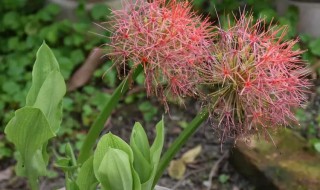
167, 38
255, 79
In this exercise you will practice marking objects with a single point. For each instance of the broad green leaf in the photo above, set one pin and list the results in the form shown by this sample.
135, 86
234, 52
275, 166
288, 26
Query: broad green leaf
115, 172
136, 180
48, 87
141, 151
32, 126
140, 139
157, 145
49, 98
86, 179
111, 141
44, 64
155, 153
71, 185
29, 131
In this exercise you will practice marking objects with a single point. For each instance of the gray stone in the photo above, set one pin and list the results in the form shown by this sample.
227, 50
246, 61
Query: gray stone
291, 164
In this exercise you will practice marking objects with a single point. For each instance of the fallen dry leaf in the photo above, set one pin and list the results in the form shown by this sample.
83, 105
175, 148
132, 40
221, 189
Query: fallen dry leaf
189, 156
85, 72
176, 169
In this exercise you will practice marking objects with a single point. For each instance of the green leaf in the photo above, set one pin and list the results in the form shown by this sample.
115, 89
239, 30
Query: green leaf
28, 125
50, 97
140, 140
140, 79
86, 179
111, 141
115, 172
52, 9
292, 14
99, 99
198, 3
50, 33
45, 64
77, 55
32, 126
31, 28
155, 152
11, 20
148, 110
223, 178
48, 87
80, 27
70, 154
315, 47
141, 151
71, 185
306, 38
317, 146
5, 151
13, 43
29, 130
268, 14
146, 159
11, 87
99, 11
63, 164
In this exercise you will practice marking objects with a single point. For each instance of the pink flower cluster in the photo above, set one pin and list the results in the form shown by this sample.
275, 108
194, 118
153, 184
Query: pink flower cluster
256, 76
168, 39
249, 77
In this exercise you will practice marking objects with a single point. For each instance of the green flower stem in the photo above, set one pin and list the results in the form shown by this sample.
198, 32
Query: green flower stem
179, 142
97, 126
33, 184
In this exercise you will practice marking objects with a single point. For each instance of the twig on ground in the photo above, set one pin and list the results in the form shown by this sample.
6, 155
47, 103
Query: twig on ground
186, 176
215, 168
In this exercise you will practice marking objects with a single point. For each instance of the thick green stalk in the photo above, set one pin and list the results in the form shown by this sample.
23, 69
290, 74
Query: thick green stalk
179, 142
32, 179
98, 124
33, 184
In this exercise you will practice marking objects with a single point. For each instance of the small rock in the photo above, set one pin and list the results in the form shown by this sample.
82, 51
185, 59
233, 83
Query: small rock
288, 165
